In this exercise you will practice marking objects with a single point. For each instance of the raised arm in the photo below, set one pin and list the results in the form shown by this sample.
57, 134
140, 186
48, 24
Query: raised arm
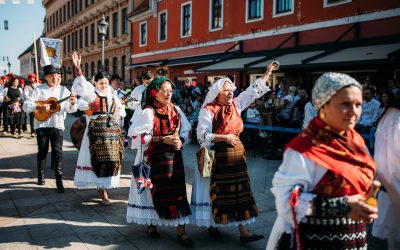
257, 89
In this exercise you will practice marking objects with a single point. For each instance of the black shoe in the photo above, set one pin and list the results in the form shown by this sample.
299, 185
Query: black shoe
251, 238
41, 182
60, 188
152, 232
186, 242
214, 232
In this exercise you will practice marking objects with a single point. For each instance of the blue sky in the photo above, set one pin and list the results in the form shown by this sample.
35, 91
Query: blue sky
23, 20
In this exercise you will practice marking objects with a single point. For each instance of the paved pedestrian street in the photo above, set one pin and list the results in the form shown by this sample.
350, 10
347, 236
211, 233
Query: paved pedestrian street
37, 217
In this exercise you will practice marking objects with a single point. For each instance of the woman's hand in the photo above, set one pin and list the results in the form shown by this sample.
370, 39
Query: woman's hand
72, 99
267, 73
173, 141
76, 60
232, 140
361, 210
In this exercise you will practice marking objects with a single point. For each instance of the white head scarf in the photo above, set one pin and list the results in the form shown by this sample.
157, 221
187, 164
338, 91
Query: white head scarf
214, 90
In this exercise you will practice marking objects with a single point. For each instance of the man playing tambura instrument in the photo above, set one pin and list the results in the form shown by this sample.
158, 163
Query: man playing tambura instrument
51, 130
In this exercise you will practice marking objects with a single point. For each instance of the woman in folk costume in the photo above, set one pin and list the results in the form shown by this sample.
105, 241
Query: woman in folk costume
162, 129
326, 174
102, 149
226, 198
12, 97
387, 157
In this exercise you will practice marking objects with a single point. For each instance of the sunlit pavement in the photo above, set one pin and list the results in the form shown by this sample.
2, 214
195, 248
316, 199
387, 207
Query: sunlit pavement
37, 217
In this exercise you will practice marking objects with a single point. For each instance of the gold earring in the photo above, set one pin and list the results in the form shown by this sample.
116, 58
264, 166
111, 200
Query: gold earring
322, 115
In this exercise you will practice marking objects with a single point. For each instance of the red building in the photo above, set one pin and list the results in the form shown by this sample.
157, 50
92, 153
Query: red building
200, 39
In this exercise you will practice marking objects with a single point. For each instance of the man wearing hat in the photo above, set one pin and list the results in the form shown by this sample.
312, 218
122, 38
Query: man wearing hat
50, 130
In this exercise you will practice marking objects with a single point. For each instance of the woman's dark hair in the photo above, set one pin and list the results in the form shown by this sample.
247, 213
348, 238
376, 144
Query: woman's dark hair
147, 75
391, 98
393, 102
101, 74
11, 81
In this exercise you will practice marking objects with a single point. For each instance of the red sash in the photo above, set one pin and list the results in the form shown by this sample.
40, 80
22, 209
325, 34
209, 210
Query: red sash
344, 154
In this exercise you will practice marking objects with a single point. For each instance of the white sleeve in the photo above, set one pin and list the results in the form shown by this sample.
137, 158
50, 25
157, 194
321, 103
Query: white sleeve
29, 104
119, 108
295, 170
84, 88
136, 97
185, 126
83, 105
66, 105
204, 128
3, 93
257, 89
143, 124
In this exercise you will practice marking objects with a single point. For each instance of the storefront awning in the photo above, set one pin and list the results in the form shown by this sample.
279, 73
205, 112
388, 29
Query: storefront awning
145, 64
286, 61
230, 64
364, 54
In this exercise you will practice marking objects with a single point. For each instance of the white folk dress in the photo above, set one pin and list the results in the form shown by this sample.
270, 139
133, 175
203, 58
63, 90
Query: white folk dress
85, 178
200, 202
140, 206
387, 157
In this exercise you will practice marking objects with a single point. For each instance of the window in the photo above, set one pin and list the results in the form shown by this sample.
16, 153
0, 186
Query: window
86, 3
73, 7
91, 69
87, 36
76, 40
80, 5
115, 24
124, 28
143, 34
123, 59
162, 26
86, 69
81, 38
99, 67
186, 19
92, 35
69, 9
60, 15
216, 11
108, 30
69, 43
254, 10
114, 65
283, 7
107, 65
329, 3
73, 41
56, 18
64, 14
64, 44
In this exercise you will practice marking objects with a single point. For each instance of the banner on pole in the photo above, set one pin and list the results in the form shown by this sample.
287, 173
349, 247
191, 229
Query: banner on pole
50, 50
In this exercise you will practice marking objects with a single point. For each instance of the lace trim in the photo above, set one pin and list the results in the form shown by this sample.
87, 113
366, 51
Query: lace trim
206, 138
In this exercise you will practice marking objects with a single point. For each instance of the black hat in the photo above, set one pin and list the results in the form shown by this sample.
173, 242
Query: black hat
113, 77
50, 69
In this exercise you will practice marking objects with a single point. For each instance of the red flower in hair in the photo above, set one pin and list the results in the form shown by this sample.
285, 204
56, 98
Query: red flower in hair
153, 93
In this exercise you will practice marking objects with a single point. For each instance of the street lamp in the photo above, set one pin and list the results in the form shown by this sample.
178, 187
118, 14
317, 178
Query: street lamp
9, 67
103, 25
5, 72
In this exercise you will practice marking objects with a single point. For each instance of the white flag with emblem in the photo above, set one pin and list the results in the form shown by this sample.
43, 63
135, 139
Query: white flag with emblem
50, 52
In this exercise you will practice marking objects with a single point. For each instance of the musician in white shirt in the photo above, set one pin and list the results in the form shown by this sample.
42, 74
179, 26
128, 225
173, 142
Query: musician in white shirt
50, 130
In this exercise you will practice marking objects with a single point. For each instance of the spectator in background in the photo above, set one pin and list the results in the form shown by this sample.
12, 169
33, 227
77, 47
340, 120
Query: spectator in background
391, 85
385, 98
300, 103
370, 111
115, 82
285, 114
309, 113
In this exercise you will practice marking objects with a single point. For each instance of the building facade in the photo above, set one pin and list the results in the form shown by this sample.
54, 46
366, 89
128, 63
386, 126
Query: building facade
75, 22
200, 39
